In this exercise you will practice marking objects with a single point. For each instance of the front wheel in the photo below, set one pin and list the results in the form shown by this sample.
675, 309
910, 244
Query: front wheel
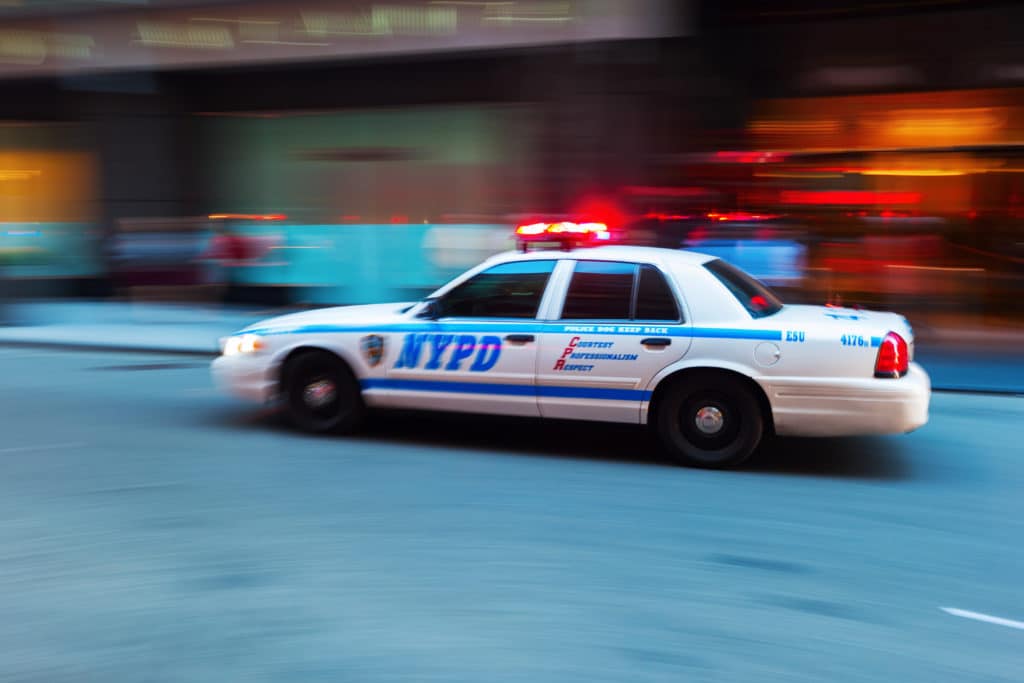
710, 420
322, 394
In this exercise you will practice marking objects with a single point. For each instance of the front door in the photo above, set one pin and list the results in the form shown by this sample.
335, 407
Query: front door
480, 353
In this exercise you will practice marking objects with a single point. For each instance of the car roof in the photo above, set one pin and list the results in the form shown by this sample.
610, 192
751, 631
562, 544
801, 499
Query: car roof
613, 252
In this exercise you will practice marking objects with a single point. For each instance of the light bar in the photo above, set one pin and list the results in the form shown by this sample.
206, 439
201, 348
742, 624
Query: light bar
598, 230
565, 232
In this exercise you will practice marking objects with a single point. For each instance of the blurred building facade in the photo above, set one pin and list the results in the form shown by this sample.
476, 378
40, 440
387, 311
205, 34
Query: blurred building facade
887, 133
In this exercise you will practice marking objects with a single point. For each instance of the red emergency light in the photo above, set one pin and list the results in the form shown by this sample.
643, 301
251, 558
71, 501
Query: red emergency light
566, 233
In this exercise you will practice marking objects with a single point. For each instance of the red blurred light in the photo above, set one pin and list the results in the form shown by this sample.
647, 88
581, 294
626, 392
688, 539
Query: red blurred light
599, 210
667, 216
848, 197
399, 219
750, 157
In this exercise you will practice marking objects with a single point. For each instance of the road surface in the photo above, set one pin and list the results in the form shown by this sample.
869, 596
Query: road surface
151, 530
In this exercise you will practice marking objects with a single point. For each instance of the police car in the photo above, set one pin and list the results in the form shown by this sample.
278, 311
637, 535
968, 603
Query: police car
681, 341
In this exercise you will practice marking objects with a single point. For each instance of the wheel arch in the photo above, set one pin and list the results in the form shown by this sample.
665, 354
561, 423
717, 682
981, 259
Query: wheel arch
663, 384
289, 355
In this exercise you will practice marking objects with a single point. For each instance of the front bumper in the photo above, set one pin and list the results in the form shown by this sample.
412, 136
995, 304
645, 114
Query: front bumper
251, 377
849, 407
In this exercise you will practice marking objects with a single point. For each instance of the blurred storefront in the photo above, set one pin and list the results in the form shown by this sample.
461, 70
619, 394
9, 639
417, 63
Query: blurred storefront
850, 149
341, 116
914, 198
49, 198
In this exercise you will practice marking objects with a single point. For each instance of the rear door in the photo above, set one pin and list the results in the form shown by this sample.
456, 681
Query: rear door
618, 325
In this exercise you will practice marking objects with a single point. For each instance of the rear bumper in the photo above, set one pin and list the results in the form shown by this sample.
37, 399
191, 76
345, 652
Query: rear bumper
848, 407
249, 377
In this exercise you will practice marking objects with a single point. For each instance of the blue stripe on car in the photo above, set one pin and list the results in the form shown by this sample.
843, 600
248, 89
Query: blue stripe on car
506, 389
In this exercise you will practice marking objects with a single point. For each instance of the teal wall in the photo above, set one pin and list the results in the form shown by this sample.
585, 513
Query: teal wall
353, 264
50, 250
344, 264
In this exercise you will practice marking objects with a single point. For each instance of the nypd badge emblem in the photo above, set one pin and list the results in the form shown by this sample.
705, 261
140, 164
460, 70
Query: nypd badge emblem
373, 349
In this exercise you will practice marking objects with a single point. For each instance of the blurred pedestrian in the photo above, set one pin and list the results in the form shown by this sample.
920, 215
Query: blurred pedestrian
226, 253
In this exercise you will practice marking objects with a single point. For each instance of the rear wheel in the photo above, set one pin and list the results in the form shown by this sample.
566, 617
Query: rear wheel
321, 394
710, 420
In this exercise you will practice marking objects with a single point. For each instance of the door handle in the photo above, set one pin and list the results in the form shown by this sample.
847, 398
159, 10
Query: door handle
521, 338
656, 341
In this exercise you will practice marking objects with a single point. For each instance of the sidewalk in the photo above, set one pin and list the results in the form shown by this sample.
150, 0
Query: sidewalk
958, 354
126, 326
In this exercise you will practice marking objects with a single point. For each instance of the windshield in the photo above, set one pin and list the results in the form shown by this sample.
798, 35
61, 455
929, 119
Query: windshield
755, 296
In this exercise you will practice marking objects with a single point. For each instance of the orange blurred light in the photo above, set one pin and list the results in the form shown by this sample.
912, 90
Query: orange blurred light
914, 172
738, 216
19, 174
248, 216
794, 126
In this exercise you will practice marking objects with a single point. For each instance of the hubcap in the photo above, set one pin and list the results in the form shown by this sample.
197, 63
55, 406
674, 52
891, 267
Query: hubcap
319, 393
709, 420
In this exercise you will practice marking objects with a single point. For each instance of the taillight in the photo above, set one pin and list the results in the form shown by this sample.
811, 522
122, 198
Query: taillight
893, 357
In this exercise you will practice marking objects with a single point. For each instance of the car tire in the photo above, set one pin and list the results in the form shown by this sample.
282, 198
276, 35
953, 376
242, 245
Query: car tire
321, 394
709, 420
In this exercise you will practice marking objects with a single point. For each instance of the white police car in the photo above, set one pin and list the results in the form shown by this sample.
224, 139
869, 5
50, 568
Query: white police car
678, 340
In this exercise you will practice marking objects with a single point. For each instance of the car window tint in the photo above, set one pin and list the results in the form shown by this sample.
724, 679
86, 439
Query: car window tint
600, 290
511, 290
759, 301
654, 298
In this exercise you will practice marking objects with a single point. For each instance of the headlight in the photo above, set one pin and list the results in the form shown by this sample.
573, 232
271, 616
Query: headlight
245, 343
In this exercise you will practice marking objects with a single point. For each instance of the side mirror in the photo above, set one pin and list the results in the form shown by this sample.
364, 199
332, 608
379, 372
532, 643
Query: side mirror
430, 311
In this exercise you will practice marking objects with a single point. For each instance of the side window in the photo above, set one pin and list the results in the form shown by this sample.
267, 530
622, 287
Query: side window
654, 298
511, 290
600, 290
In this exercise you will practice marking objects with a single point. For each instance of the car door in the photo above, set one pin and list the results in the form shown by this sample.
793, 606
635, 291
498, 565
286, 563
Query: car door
479, 352
619, 324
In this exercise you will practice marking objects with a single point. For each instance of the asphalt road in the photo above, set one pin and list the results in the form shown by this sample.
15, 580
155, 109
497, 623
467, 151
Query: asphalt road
151, 530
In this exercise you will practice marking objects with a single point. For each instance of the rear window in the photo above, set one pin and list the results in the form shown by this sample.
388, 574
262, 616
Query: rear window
755, 297
654, 299
600, 290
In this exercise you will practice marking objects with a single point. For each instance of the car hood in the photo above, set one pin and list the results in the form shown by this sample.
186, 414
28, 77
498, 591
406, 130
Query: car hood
337, 316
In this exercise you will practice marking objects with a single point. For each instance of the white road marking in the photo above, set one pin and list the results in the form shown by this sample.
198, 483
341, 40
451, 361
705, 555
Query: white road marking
987, 618
42, 447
